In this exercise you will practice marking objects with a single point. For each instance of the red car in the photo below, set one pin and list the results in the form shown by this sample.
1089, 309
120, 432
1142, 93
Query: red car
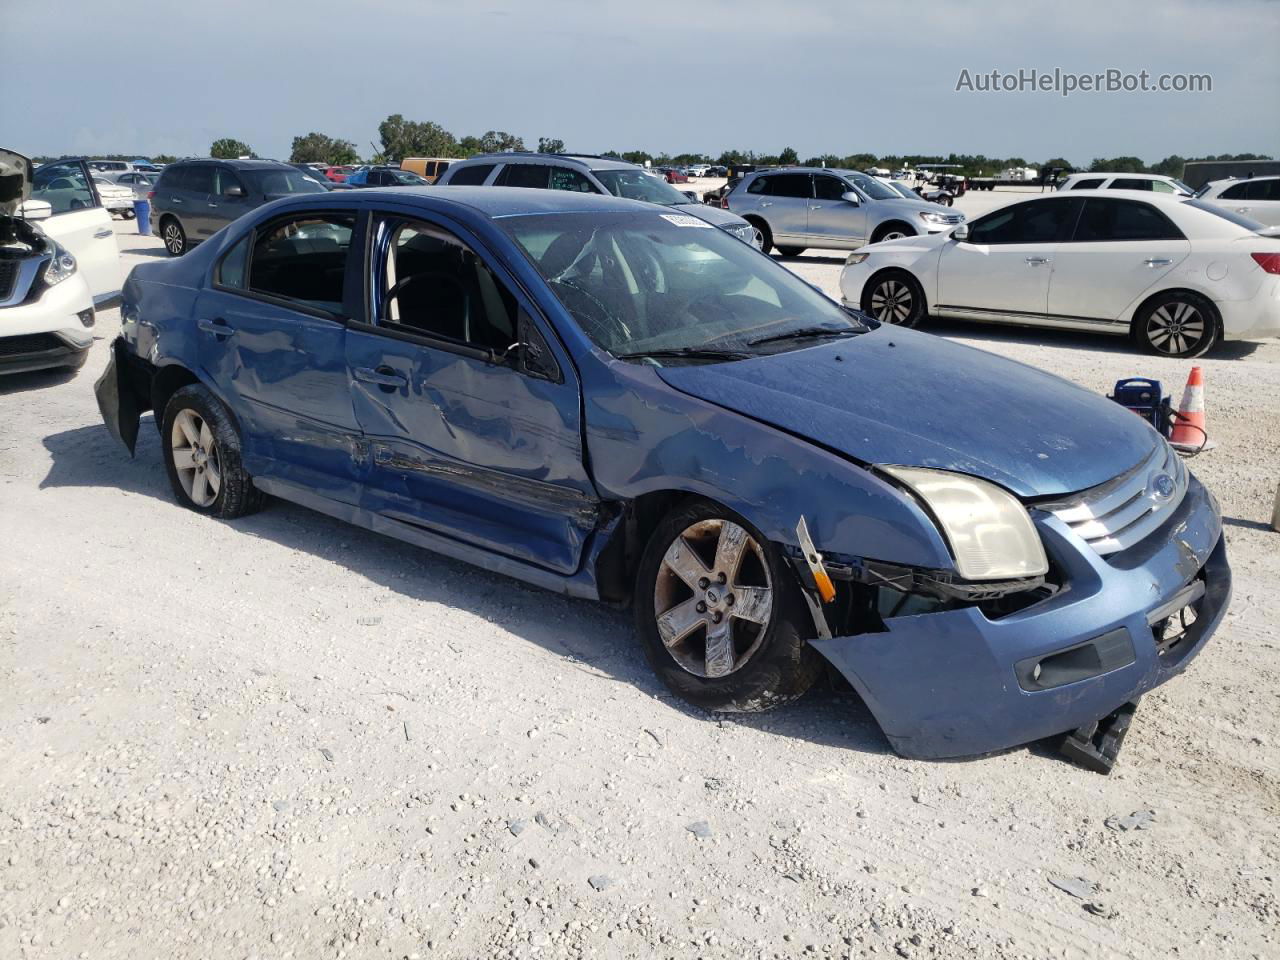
675, 176
338, 174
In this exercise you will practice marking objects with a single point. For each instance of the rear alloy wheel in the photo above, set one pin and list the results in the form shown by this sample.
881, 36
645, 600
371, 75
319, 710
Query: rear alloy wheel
719, 613
174, 237
202, 456
894, 297
1176, 325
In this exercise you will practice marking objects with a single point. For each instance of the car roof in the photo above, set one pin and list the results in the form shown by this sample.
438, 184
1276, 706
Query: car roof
1149, 196
237, 164
497, 202
584, 160
1104, 175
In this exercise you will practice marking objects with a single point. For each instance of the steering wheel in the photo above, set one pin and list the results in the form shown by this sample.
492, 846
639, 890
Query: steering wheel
398, 287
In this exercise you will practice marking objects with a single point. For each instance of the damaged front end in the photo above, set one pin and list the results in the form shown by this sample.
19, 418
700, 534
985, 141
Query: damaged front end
954, 668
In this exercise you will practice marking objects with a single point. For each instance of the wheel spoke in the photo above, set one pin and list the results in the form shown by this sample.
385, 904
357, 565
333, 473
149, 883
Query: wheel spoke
752, 603
213, 476
680, 621
199, 488
183, 459
720, 654
733, 540
685, 564
186, 424
206, 438
1160, 337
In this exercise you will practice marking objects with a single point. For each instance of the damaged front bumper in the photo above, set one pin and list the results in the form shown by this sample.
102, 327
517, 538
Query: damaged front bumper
957, 682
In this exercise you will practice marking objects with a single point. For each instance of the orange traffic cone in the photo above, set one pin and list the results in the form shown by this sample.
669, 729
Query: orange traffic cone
1188, 425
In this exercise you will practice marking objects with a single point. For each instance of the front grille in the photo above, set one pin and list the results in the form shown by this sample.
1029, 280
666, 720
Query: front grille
953, 217
8, 277
1119, 513
29, 343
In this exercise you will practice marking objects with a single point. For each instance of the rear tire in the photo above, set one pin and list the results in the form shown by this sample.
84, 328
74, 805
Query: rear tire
202, 456
896, 297
1177, 324
174, 237
755, 656
792, 251
763, 232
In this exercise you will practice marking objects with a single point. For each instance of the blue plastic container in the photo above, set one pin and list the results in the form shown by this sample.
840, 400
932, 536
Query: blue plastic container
142, 215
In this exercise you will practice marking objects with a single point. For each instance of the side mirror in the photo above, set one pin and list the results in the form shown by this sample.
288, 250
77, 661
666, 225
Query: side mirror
36, 210
233, 191
961, 232
693, 197
850, 197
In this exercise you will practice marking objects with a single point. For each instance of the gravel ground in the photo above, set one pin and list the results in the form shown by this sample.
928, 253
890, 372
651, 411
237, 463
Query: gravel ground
286, 737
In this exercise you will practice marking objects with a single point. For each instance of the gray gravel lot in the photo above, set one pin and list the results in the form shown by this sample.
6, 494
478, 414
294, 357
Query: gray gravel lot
286, 737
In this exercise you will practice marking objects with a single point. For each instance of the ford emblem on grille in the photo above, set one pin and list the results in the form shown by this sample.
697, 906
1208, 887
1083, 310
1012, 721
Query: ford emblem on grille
1162, 486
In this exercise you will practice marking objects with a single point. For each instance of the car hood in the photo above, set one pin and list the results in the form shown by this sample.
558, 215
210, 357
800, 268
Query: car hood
15, 181
894, 396
713, 215
924, 206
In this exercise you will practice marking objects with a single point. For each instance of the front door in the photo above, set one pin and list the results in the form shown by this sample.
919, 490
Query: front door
1003, 267
80, 223
224, 204
469, 406
1118, 250
831, 217
271, 340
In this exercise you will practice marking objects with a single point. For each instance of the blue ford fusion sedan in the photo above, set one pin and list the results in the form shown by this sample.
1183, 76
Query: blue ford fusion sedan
626, 404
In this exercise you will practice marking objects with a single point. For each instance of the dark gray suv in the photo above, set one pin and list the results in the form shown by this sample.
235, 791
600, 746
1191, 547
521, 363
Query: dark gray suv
194, 199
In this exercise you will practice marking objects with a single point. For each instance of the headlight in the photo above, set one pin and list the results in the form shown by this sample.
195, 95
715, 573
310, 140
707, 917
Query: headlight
60, 267
942, 218
744, 232
990, 532
855, 258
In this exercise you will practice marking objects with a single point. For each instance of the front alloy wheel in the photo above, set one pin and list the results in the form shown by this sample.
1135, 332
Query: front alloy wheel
720, 614
896, 298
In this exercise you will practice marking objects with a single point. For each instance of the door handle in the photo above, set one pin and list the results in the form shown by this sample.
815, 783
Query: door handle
1243, 209
818, 207
1157, 261
219, 327
104, 233
385, 377
213, 204
1036, 261
176, 200
766, 203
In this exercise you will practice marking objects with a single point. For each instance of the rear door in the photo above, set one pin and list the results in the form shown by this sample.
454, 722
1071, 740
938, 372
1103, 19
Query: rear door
1003, 267
532, 175
782, 199
1118, 249
195, 201
470, 409
271, 340
80, 223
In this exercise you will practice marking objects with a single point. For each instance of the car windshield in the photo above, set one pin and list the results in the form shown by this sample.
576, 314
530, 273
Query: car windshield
646, 283
1183, 187
274, 182
904, 190
407, 178
638, 185
872, 187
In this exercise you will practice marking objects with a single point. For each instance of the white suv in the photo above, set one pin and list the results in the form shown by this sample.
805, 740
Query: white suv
57, 253
1257, 198
1153, 182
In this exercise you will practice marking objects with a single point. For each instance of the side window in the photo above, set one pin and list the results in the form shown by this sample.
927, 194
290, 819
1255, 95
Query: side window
759, 185
1159, 186
1037, 221
303, 259
471, 176
532, 175
64, 186
434, 285
1091, 184
1130, 183
233, 268
791, 185
198, 179
565, 178
829, 188
1107, 220
1236, 192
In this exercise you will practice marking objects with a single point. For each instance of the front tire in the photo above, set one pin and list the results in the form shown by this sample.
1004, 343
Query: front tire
792, 251
891, 231
174, 237
720, 614
763, 234
1177, 324
202, 456
896, 297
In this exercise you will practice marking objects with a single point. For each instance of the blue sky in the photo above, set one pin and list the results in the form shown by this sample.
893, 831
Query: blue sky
817, 75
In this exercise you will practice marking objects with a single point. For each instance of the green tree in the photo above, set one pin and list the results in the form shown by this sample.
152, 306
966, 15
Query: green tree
499, 141
319, 148
163, 158
788, 157
549, 145
228, 148
407, 138
1117, 165
1060, 163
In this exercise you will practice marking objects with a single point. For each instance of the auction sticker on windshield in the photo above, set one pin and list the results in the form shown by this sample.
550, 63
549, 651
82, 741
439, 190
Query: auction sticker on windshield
684, 220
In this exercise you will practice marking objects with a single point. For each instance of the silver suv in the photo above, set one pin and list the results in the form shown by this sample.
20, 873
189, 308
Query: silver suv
581, 173
797, 208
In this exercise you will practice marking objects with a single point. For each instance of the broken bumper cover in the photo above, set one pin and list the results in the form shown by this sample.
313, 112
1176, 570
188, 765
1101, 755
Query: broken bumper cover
955, 683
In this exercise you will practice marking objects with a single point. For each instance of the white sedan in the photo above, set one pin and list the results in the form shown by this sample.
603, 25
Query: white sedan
1175, 274
1257, 198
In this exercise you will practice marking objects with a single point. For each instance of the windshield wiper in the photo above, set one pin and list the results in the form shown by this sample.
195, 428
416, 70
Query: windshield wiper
681, 353
805, 333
